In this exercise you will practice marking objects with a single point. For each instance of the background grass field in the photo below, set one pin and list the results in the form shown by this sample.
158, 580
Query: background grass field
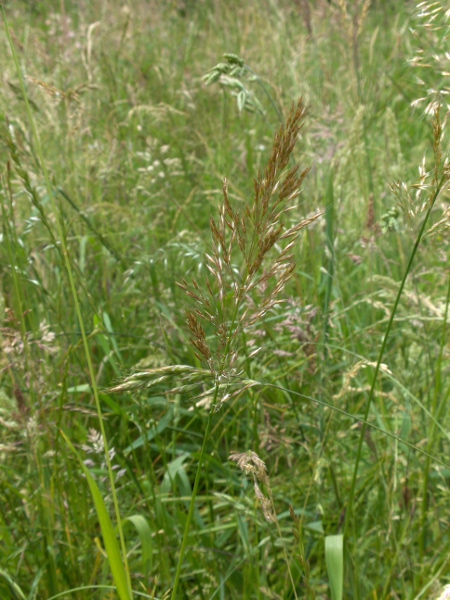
109, 176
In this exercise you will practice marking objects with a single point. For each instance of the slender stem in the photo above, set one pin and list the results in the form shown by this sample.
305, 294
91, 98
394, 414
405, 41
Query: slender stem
286, 558
193, 497
330, 216
383, 348
266, 91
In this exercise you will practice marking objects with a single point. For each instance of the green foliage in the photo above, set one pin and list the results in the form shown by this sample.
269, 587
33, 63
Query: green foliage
333, 404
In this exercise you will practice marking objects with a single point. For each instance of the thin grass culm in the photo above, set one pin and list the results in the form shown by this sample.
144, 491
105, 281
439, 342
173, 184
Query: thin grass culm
249, 264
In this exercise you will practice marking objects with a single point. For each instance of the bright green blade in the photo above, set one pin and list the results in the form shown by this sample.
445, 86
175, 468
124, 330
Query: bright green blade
334, 557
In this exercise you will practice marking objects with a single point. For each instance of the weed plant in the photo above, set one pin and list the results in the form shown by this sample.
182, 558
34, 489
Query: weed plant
208, 389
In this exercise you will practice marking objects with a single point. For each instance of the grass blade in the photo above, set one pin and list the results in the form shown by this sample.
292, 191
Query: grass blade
109, 536
145, 535
15, 590
334, 557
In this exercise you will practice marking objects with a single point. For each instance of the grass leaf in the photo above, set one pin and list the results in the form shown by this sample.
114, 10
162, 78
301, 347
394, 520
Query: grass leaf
334, 557
15, 590
145, 535
108, 532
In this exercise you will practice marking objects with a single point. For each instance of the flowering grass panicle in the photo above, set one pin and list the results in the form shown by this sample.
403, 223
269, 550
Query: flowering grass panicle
249, 264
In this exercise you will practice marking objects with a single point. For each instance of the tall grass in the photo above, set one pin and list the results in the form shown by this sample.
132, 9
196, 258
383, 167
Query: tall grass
314, 358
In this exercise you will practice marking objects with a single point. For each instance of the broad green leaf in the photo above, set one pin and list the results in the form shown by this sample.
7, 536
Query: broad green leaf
334, 557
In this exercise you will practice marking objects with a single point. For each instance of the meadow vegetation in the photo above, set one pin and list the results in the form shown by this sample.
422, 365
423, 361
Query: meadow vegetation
224, 298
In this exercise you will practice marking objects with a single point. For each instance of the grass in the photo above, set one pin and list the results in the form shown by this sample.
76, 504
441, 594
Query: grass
231, 445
